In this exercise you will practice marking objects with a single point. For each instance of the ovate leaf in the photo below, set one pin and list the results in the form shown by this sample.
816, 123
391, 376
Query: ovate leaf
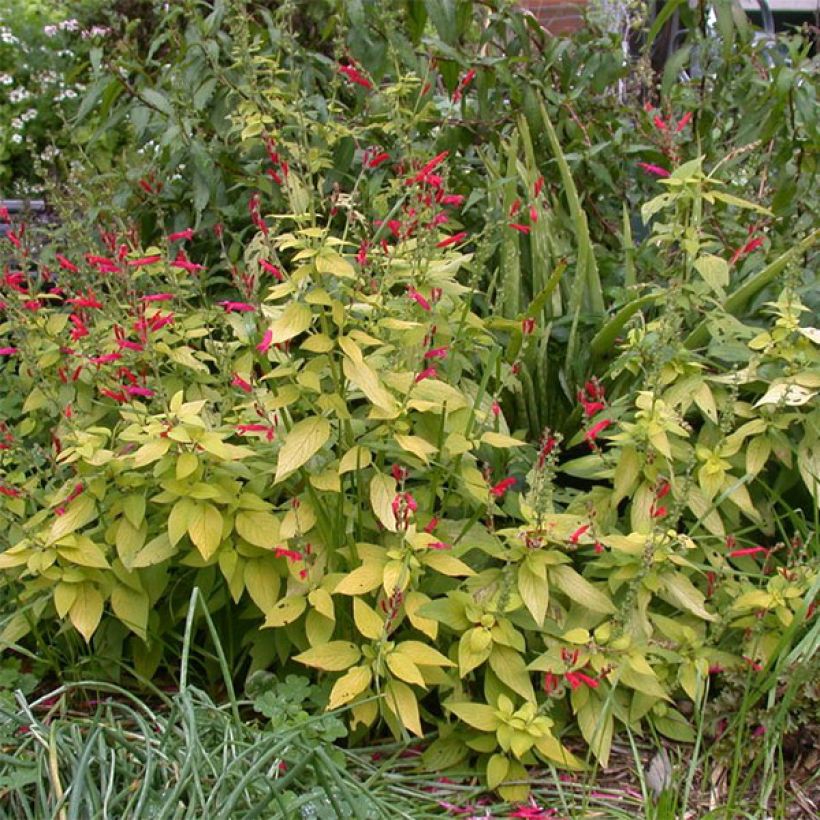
304, 440
335, 656
87, 610
205, 529
349, 686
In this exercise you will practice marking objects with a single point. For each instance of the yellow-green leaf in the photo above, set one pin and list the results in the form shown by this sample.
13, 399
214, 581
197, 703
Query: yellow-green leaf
258, 528
262, 582
422, 654
84, 552
478, 715
87, 610
404, 668
500, 440
304, 440
349, 686
401, 700
131, 607
367, 380
497, 767
181, 515
580, 590
151, 451
295, 319
416, 445
205, 529
382, 493
356, 458
335, 656
79, 512
367, 620
361, 580
286, 611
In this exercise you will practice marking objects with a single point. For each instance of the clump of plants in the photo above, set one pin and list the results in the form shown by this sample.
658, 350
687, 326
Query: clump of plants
299, 418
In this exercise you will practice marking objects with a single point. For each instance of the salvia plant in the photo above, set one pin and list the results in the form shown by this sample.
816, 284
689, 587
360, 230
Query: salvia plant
300, 418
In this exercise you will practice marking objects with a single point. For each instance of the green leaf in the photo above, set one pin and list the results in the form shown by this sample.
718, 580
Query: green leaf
262, 581
401, 700
683, 593
157, 100
304, 440
714, 271
85, 553
497, 767
737, 202
131, 607
366, 379
154, 552
580, 590
286, 611
511, 670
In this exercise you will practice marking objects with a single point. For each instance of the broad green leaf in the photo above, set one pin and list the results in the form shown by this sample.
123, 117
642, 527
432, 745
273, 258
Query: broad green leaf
534, 592
131, 607
500, 440
511, 670
683, 593
154, 552
356, 458
328, 261
497, 767
304, 440
335, 656
447, 564
64, 596
85, 553
580, 590
714, 270
180, 517
151, 451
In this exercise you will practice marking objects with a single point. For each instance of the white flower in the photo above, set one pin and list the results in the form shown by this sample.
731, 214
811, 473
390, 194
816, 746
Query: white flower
26, 116
50, 31
17, 124
69, 25
17, 138
19, 94
6, 79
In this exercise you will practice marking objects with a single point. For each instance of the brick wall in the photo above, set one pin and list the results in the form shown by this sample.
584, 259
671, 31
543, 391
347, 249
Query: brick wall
557, 16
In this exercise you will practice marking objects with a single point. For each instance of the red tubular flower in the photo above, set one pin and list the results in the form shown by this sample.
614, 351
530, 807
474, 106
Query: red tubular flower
452, 199
659, 512
65, 264
499, 489
593, 431
746, 551
237, 307
418, 298
577, 679
271, 269
683, 122
528, 326
157, 297
79, 330
15, 281
9, 351
533, 214
239, 382
10, 492
183, 263
106, 358
539, 185
656, 170
452, 240
355, 76
517, 226
659, 123
266, 342
551, 682
573, 539
142, 261
117, 395
436, 353
751, 245
439, 545
427, 373
431, 525
291, 555
375, 160
143, 392
662, 491
87, 301
188, 233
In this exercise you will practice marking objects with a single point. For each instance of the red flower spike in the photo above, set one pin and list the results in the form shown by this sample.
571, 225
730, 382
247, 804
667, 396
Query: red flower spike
593, 431
427, 373
418, 298
499, 489
355, 76
683, 122
656, 170
188, 233
239, 382
65, 264
517, 226
748, 551
436, 353
573, 539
